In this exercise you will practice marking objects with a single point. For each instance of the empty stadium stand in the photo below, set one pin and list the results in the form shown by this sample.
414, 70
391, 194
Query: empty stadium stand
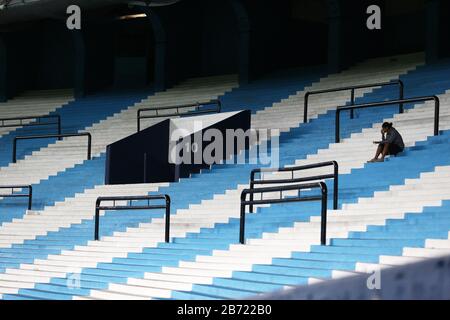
389, 214
34, 103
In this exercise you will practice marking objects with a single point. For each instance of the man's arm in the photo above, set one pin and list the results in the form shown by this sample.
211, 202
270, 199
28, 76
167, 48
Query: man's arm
382, 138
390, 137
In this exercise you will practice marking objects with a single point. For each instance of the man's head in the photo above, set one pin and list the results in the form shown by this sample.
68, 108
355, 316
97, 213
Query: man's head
386, 126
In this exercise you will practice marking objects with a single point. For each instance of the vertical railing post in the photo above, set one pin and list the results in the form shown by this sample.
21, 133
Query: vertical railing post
89, 146
401, 94
59, 126
252, 186
352, 102
30, 197
167, 233
242, 221
337, 126
14, 158
436, 115
305, 108
97, 221
139, 121
335, 185
323, 220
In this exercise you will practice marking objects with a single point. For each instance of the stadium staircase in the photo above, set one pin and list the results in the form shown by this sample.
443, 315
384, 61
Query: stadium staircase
43, 250
32, 103
113, 118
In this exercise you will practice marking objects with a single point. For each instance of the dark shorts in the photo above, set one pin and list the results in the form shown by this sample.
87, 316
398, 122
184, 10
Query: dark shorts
393, 149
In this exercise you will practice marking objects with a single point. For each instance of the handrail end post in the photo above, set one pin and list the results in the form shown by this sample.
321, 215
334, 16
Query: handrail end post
167, 233
97, 219
242, 224
59, 127
252, 186
352, 102
323, 224
336, 185
337, 126
30, 197
14, 157
89, 146
436, 114
305, 108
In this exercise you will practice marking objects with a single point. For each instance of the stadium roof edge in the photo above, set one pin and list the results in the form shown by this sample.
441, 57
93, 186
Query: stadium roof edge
14, 11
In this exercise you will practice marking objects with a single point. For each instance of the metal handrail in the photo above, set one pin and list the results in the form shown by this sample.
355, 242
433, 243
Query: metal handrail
318, 185
334, 176
32, 124
386, 103
197, 110
166, 206
12, 195
87, 134
352, 94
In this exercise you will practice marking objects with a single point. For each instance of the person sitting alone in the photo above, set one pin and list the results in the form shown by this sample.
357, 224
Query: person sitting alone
391, 143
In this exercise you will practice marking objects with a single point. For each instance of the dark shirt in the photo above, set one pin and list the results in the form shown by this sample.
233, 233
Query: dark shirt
393, 137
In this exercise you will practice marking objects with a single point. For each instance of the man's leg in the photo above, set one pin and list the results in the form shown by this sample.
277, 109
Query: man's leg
385, 151
379, 150
394, 150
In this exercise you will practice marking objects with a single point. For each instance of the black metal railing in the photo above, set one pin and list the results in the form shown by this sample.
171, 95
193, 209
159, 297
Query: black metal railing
28, 195
18, 122
323, 197
334, 176
352, 94
199, 108
130, 199
386, 103
48, 136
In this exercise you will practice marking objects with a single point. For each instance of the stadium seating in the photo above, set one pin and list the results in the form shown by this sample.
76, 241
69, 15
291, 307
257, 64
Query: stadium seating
37, 163
32, 103
47, 248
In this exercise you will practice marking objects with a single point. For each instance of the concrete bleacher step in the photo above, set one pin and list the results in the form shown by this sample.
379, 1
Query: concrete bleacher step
155, 99
33, 103
29, 169
247, 253
344, 100
361, 267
